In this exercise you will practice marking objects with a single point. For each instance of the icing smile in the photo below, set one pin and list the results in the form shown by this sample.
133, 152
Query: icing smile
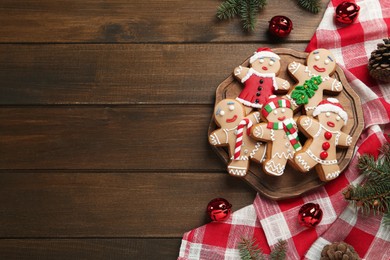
231, 120
330, 124
319, 69
281, 118
264, 68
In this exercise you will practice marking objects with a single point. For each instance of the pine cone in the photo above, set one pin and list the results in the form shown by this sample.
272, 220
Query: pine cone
379, 63
339, 250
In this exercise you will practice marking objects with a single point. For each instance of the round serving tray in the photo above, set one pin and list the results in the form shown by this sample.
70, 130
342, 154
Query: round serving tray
293, 183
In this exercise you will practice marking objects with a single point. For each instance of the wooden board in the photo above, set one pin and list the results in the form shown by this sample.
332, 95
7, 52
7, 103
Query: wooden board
294, 183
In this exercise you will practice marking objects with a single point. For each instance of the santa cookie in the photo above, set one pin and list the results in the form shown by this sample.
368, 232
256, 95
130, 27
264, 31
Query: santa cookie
313, 80
324, 135
260, 79
229, 115
281, 134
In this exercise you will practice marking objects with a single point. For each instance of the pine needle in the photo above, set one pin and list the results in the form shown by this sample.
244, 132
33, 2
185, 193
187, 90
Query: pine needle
372, 196
228, 9
279, 252
246, 9
310, 5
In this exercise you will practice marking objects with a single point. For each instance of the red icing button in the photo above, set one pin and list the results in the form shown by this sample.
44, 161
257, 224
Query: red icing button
323, 155
328, 135
325, 146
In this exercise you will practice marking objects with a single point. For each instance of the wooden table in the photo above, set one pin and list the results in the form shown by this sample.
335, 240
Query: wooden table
104, 113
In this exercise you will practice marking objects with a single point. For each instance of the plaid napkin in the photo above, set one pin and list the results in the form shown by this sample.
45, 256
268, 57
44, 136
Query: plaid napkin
268, 221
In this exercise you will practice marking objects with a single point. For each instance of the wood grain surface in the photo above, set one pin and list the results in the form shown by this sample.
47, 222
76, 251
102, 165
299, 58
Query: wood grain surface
104, 111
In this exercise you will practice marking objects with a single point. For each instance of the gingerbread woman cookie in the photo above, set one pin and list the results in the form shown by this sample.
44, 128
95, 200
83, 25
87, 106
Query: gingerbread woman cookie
229, 115
324, 135
280, 132
260, 79
313, 80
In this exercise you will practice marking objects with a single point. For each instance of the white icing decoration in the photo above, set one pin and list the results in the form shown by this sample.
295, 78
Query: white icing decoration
291, 100
332, 175
303, 163
326, 61
272, 135
238, 71
318, 160
226, 131
287, 155
257, 116
254, 151
238, 171
231, 107
307, 123
317, 57
214, 139
349, 140
240, 158
249, 104
307, 108
284, 84
275, 169
258, 132
294, 66
336, 85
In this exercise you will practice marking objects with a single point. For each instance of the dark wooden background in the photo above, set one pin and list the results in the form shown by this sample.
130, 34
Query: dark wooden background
104, 113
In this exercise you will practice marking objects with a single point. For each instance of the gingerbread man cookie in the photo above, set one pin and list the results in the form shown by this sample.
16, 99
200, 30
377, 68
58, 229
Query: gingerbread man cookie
229, 115
324, 135
280, 132
260, 79
313, 80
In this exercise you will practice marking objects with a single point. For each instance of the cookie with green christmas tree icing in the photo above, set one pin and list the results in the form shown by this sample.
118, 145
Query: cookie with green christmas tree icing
313, 80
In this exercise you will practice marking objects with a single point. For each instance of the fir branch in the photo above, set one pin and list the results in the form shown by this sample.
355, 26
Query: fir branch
246, 9
228, 9
373, 194
279, 252
310, 5
248, 12
249, 250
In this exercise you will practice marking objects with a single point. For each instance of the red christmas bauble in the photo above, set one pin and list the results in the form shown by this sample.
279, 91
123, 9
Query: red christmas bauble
219, 209
310, 215
280, 26
347, 12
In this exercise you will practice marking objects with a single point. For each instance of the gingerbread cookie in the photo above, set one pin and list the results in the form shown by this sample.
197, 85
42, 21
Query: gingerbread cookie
280, 132
324, 135
229, 115
260, 79
313, 80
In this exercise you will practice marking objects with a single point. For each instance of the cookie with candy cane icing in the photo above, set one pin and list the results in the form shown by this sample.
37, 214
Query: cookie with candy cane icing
281, 134
260, 81
233, 132
313, 80
324, 135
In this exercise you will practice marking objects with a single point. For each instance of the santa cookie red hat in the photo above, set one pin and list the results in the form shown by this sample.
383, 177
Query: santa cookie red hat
263, 53
331, 105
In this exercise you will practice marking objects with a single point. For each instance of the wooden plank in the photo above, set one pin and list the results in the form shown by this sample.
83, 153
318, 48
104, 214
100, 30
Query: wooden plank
118, 74
98, 205
110, 248
140, 21
122, 138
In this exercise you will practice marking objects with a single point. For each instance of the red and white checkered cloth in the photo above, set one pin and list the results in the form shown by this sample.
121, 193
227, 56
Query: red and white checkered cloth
269, 221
